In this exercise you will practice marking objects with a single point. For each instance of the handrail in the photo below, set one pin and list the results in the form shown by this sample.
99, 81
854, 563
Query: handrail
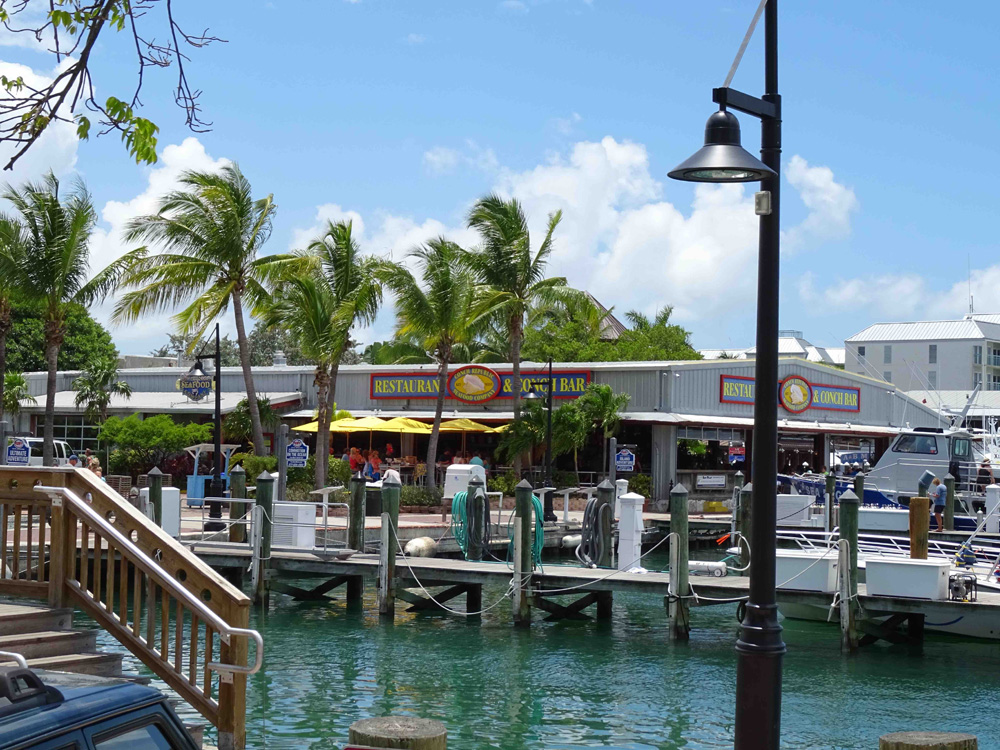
165, 580
16, 658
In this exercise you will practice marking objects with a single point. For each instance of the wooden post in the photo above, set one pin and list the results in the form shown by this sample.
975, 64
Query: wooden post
859, 489
391, 488
156, 495
475, 502
849, 534
356, 534
237, 490
743, 516
831, 490
605, 497
522, 552
233, 695
920, 525
57, 551
678, 609
265, 497
949, 507
927, 741
399, 732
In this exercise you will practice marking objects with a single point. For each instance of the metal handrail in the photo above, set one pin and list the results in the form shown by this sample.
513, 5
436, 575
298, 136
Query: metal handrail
16, 658
166, 581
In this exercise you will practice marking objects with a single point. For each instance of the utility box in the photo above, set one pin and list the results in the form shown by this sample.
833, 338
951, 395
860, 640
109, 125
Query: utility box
294, 525
458, 476
914, 579
795, 510
630, 527
621, 487
171, 509
804, 571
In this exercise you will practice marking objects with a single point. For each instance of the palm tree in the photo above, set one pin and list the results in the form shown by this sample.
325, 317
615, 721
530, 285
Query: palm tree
96, 385
52, 265
237, 426
354, 284
641, 321
211, 232
12, 244
443, 311
306, 307
504, 262
15, 392
603, 408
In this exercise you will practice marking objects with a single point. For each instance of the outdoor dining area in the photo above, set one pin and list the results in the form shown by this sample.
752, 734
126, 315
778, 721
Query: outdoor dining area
401, 443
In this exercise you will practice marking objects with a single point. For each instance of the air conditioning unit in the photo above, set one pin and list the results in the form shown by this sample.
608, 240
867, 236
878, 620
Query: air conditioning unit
294, 525
171, 508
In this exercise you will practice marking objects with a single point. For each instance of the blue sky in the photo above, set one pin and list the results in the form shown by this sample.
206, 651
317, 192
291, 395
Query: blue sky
400, 114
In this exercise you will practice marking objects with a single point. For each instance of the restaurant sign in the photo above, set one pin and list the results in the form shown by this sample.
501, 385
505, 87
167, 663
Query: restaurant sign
195, 387
565, 384
795, 394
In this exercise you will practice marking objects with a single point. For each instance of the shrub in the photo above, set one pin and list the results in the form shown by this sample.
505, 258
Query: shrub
253, 465
504, 483
565, 479
641, 484
411, 494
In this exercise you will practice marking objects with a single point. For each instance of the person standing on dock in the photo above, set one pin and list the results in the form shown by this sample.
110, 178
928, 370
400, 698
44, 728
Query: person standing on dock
938, 495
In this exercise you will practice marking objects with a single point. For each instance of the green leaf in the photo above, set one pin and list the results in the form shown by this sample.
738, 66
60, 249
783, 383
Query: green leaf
82, 127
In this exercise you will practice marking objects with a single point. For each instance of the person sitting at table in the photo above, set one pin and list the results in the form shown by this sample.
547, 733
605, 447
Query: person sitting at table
389, 452
477, 460
356, 460
458, 459
375, 466
447, 459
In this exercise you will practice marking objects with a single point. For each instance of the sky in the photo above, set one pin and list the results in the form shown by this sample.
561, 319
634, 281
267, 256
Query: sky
399, 115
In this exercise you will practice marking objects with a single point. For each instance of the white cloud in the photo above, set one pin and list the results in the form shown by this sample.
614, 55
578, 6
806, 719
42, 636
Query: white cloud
415, 39
107, 244
513, 6
830, 205
442, 160
566, 125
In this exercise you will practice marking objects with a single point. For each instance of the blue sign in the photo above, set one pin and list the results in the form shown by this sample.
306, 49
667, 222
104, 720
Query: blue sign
625, 460
195, 387
296, 454
18, 453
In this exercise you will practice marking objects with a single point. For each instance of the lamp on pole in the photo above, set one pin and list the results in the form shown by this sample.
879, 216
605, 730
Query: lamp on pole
549, 514
217, 488
760, 647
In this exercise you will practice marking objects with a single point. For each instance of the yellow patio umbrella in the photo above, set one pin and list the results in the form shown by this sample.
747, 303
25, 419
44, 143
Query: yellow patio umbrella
464, 425
408, 426
341, 425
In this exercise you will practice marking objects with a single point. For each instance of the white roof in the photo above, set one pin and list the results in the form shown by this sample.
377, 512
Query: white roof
171, 402
788, 346
930, 330
987, 402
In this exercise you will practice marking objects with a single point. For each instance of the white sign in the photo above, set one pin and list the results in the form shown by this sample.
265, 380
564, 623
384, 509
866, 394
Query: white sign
296, 454
624, 460
711, 482
18, 453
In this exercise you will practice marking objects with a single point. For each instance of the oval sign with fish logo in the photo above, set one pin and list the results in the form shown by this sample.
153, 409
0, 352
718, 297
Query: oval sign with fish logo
474, 384
795, 394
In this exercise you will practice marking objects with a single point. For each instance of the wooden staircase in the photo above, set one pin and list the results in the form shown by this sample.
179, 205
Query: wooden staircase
46, 638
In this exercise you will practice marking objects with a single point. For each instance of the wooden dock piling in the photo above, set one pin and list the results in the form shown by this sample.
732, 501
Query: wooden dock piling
831, 489
265, 498
849, 504
949, 505
523, 563
920, 524
356, 533
476, 504
391, 488
927, 741
156, 495
237, 491
677, 605
399, 732
743, 516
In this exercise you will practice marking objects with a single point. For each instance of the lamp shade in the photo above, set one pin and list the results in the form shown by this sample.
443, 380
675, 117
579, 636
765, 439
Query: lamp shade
722, 158
531, 395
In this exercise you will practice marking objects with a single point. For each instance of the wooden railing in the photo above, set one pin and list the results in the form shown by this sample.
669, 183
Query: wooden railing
67, 537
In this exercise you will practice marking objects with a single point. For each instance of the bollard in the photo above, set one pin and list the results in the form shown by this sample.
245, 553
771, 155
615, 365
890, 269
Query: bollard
399, 732
831, 490
678, 610
474, 505
605, 498
265, 497
356, 533
237, 490
523, 563
743, 516
156, 495
849, 505
949, 507
391, 488
739, 480
927, 741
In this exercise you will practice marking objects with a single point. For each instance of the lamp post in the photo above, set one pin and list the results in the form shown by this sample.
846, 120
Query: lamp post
217, 487
760, 647
548, 512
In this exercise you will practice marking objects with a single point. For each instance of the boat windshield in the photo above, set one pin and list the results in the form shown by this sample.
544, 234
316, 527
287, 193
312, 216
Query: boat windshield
926, 444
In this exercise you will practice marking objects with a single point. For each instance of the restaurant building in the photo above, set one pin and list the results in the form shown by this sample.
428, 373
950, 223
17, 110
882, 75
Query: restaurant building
690, 422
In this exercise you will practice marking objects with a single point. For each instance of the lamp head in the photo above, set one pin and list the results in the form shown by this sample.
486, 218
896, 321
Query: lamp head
196, 370
722, 158
531, 395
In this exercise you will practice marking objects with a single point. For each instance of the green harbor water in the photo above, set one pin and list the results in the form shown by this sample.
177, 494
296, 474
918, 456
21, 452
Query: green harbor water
618, 684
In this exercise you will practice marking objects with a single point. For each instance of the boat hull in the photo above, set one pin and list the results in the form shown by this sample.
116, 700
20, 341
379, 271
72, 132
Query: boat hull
975, 622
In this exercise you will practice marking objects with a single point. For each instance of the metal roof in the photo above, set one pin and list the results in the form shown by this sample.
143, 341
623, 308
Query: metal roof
168, 402
929, 330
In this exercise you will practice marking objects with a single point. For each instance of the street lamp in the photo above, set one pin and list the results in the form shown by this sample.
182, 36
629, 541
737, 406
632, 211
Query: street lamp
722, 159
217, 487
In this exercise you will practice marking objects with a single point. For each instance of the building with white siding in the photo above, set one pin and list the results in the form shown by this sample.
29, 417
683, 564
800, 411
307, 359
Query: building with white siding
790, 344
949, 355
